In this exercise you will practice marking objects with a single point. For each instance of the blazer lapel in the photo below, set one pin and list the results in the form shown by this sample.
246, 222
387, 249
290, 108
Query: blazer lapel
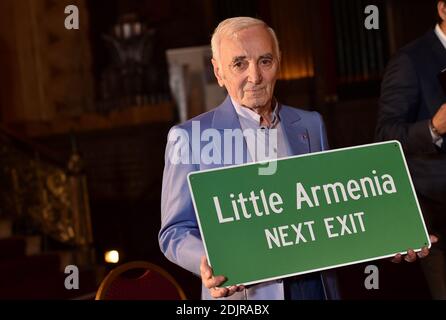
438, 49
297, 135
437, 95
225, 117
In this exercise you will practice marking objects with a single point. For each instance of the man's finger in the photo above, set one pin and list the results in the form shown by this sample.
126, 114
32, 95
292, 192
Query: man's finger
423, 253
215, 281
205, 269
434, 239
410, 256
207, 276
232, 290
225, 292
240, 288
219, 292
397, 258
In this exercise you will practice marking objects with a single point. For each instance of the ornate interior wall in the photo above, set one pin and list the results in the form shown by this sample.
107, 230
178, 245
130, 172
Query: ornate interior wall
47, 67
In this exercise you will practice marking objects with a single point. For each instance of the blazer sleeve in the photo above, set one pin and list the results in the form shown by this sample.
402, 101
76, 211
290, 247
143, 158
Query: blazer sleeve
399, 106
323, 133
179, 237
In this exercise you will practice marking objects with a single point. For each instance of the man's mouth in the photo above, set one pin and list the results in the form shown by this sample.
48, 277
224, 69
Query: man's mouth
254, 90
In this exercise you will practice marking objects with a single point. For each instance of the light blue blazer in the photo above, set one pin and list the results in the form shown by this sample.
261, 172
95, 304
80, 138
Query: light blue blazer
179, 237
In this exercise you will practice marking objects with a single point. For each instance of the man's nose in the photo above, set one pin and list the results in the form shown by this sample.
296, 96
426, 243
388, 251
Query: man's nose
254, 74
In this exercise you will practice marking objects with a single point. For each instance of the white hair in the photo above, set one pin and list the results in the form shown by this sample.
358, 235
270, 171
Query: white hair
229, 27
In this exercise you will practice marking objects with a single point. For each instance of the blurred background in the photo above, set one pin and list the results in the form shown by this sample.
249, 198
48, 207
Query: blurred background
84, 116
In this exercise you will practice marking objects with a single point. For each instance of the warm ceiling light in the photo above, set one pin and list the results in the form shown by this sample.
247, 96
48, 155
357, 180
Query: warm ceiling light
112, 256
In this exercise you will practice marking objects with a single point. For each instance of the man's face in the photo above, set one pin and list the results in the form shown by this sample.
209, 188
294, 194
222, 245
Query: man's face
248, 67
441, 7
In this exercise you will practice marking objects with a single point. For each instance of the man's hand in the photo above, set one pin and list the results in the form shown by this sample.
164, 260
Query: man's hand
439, 120
213, 282
411, 256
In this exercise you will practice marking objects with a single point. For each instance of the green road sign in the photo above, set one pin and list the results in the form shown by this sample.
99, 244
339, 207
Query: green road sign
317, 211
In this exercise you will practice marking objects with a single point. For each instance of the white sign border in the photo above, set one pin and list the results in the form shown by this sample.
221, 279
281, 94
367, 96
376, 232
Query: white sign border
309, 155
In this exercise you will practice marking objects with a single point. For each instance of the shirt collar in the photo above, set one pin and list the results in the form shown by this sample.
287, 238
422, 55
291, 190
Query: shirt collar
440, 35
254, 116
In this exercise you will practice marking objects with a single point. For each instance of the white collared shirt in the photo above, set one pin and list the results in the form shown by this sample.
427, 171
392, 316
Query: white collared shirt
249, 119
441, 36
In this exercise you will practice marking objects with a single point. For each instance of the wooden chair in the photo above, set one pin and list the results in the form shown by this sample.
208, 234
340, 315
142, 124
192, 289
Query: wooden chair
139, 280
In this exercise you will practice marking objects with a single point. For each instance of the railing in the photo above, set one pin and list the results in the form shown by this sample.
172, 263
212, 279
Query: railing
43, 192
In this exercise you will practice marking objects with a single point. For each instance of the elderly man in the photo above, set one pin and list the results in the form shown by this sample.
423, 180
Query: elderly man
246, 60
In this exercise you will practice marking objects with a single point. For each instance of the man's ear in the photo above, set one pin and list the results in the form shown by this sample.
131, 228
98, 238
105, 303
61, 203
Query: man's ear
217, 72
441, 7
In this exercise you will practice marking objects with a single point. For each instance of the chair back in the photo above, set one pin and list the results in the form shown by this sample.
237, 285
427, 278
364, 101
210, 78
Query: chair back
139, 280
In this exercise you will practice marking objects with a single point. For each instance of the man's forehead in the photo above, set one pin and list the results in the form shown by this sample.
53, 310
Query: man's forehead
242, 43
250, 34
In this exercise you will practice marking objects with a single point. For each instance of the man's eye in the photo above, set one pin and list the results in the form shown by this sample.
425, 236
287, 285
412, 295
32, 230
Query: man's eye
239, 65
266, 62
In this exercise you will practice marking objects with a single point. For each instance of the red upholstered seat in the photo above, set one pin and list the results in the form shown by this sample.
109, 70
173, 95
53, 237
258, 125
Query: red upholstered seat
139, 280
